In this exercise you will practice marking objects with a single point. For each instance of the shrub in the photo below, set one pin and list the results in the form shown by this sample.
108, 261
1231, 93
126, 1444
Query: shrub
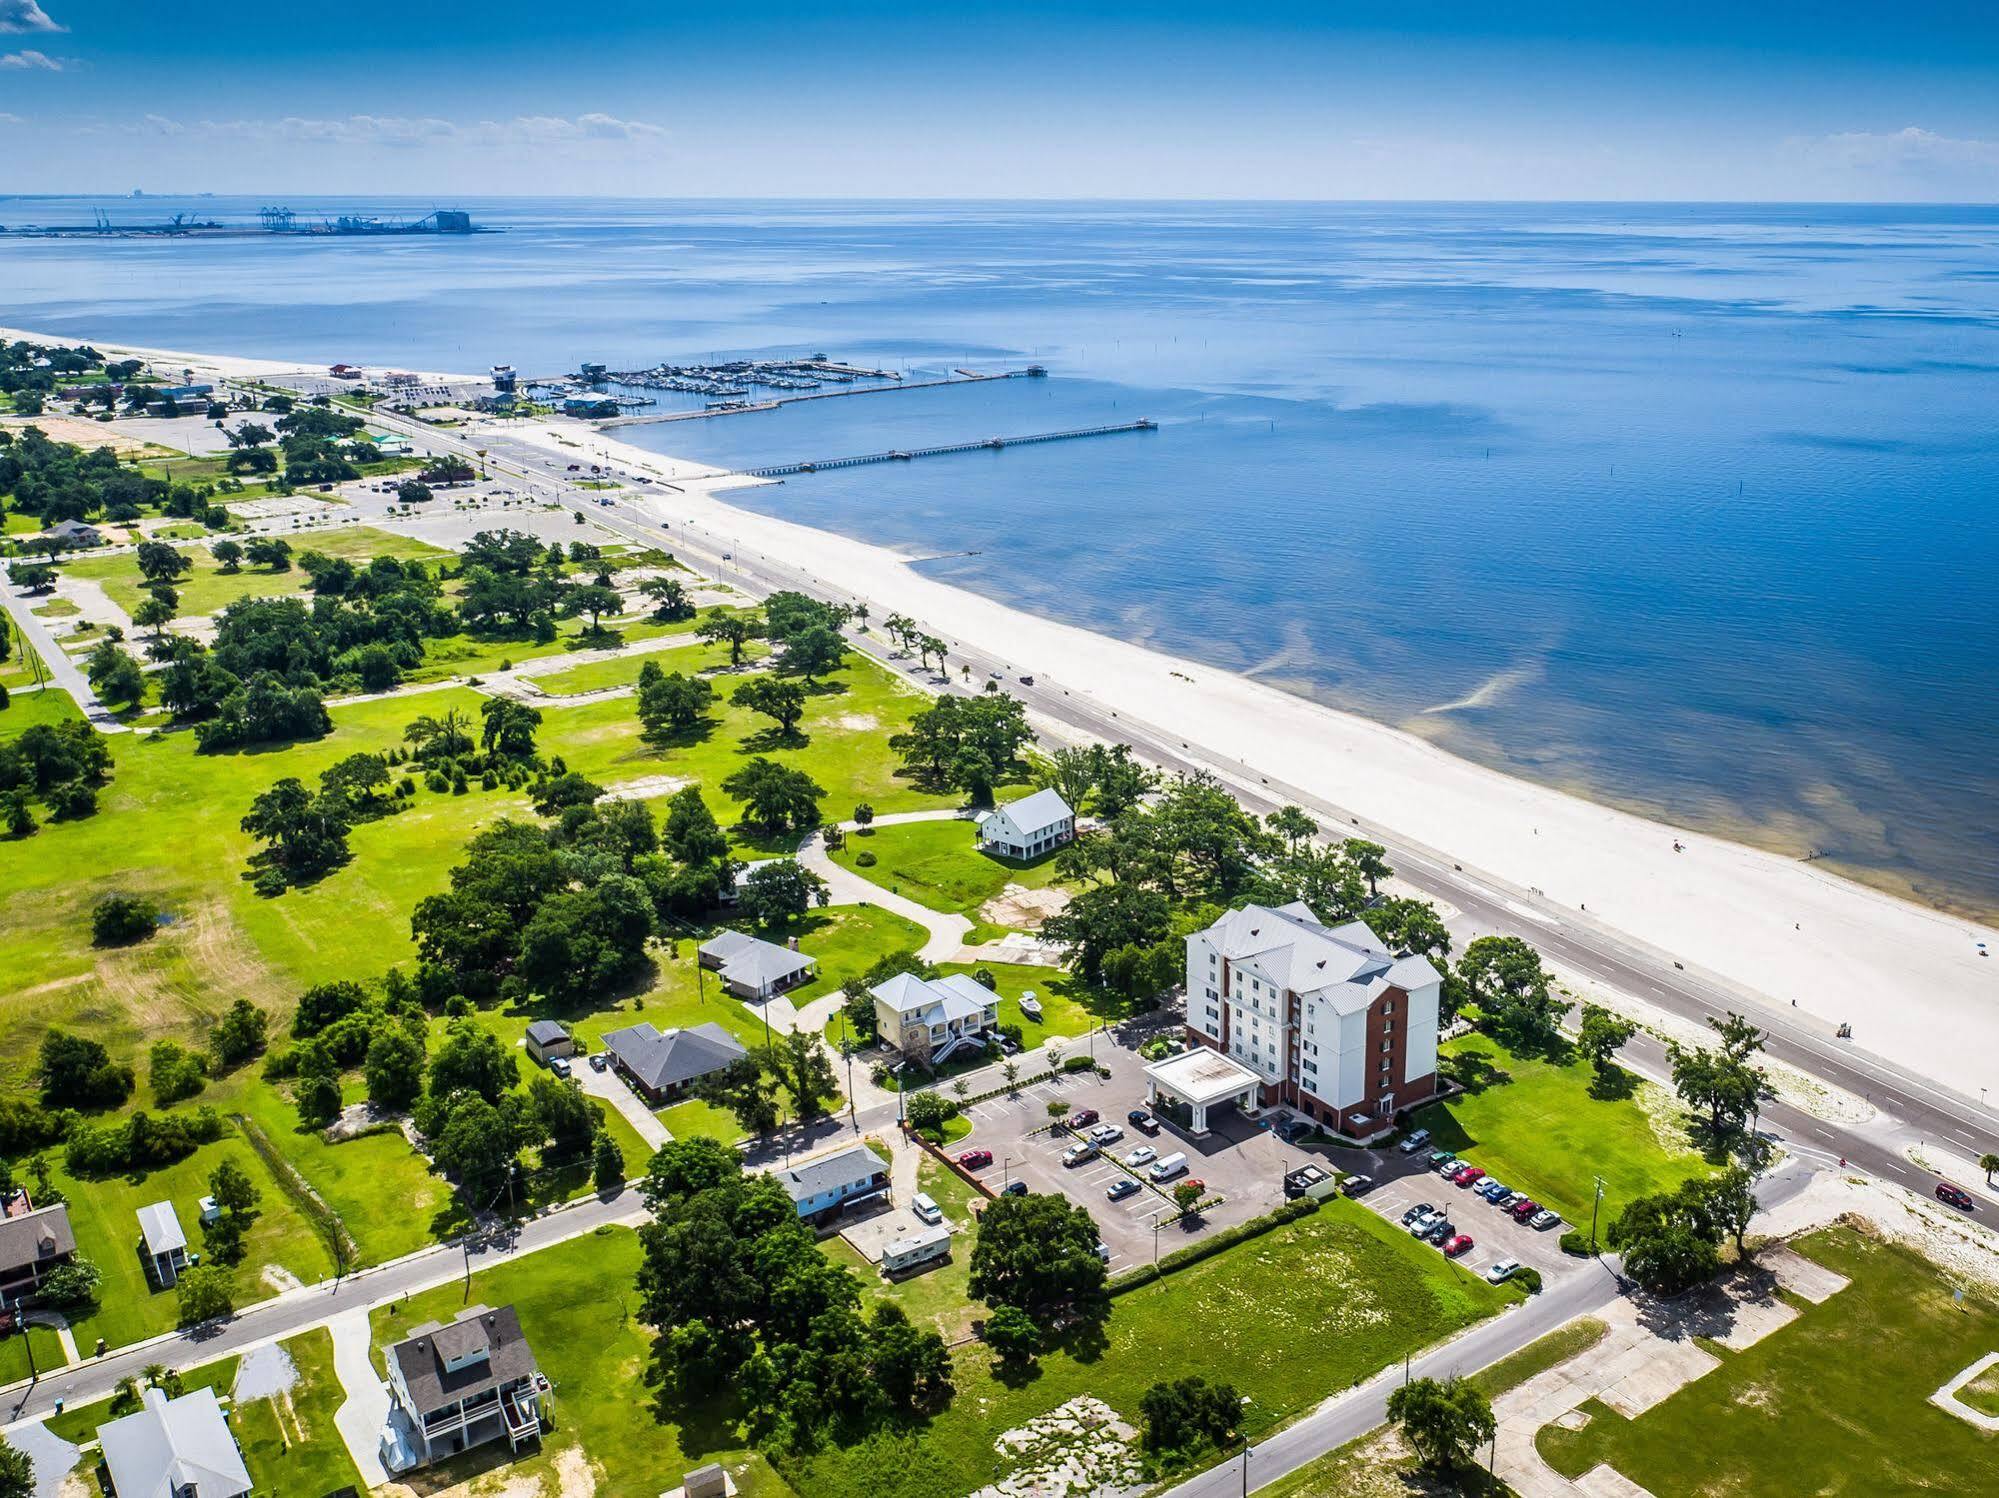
141, 1142
1529, 1277
1078, 1064
71, 1286
120, 920
1575, 1242
864, 859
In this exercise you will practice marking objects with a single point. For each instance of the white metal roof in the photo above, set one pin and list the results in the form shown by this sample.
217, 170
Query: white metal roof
161, 1229
172, 1446
1038, 812
1200, 1076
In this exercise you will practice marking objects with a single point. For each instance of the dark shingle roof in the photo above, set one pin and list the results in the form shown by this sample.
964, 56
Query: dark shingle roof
852, 1165
423, 1355
546, 1032
664, 1059
39, 1235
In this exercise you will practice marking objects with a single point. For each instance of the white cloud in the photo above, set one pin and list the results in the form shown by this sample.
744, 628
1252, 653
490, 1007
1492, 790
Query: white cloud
1910, 151
397, 132
11, 119
29, 58
26, 16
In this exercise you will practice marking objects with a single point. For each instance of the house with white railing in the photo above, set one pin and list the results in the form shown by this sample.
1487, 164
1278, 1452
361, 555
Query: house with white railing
459, 1385
931, 1019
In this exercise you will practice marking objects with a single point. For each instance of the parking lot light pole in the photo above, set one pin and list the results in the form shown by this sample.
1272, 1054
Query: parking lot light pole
1593, 1209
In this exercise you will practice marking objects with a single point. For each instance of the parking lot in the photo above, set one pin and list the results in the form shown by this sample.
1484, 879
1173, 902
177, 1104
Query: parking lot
1405, 1181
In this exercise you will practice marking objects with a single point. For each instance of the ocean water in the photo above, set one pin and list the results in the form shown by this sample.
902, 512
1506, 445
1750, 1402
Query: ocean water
1690, 508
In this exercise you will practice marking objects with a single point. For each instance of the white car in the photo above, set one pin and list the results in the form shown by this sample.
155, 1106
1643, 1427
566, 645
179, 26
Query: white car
1105, 1134
1145, 1154
1504, 1270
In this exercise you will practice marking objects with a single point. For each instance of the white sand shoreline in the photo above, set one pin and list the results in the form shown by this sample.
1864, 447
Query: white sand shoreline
1909, 979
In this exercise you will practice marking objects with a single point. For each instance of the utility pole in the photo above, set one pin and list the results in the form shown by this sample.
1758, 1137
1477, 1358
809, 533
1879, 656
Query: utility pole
1595, 1206
847, 1050
1246, 1450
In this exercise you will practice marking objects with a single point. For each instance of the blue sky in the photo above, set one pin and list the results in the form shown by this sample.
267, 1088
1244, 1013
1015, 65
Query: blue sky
1782, 99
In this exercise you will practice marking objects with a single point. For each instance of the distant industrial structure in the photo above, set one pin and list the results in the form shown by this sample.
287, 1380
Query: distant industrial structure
270, 220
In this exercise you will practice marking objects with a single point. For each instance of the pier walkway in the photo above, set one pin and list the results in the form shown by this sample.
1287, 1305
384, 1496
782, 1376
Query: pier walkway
904, 455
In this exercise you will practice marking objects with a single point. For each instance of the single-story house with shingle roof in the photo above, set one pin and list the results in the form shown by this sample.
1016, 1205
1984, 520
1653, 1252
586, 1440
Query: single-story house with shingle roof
824, 1187
752, 968
663, 1064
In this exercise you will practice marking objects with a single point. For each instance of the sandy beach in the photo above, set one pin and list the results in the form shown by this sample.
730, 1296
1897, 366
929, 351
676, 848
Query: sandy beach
1912, 981
1909, 979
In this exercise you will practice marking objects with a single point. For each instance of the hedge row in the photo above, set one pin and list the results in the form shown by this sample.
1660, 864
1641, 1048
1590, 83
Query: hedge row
1194, 1253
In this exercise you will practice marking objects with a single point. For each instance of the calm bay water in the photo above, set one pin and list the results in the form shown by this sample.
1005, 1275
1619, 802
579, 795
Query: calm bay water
1691, 508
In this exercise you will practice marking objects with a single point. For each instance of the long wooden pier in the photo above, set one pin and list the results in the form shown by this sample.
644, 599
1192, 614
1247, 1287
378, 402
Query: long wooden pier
904, 455
737, 408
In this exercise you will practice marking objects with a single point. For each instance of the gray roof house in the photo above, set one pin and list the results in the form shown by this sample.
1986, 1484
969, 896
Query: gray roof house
929, 1018
547, 1038
33, 1241
1029, 827
752, 968
74, 533
821, 1188
661, 1064
456, 1386
166, 1244
173, 1448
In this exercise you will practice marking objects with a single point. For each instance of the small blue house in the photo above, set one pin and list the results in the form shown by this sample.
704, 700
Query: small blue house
827, 1186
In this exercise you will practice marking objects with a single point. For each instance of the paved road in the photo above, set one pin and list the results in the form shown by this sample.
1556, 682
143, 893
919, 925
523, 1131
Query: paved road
299, 1310
63, 672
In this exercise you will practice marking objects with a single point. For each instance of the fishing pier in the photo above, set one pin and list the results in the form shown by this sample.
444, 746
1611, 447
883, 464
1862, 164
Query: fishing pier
989, 444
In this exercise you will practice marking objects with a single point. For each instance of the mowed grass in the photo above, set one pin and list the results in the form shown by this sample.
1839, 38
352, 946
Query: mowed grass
1549, 1129
935, 1297
689, 658
1069, 1006
104, 1214
578, 1308
938, 864
290, 1444
207, 589
15, 1362
1836, 1402
1288, 1318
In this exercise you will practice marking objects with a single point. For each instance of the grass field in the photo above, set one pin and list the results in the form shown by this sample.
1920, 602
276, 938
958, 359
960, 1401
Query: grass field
1288, 1318
1836, 1402
14, 1360
937, 864
289, 1443
1549, 1129
207, 589
623, 670
936, 1297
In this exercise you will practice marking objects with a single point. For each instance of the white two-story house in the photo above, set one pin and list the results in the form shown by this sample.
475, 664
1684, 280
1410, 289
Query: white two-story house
1029, 827
928, 1019
1333, 1024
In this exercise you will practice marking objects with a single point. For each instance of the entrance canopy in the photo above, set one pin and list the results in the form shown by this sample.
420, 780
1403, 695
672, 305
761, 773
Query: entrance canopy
1202, 1079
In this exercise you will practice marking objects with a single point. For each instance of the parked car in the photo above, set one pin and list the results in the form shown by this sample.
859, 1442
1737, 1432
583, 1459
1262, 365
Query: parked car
1078, 1152
1014, 1188
1466, 1175
1122, 1187
1492, 1190
1439, 1228
1144, 1122
1503, 1271
1103, 1251
1544, 1219
1448, 1165
1104, 1134
1456, 1245
1523, 1209
924, 1205
1082, 1118
599, 1060
1421, 1209
1423, 1221
1437, 1157
559, 1065
1955, 1196
1414, 1142
976, 1159
1145, 1154
1027, 681
1356, 1183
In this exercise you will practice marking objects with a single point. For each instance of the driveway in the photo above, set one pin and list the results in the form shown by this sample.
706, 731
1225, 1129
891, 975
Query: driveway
611, 1087
363, 1413
946, 933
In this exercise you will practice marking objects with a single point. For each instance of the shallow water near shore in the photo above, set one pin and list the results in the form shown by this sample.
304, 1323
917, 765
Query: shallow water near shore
1688, 508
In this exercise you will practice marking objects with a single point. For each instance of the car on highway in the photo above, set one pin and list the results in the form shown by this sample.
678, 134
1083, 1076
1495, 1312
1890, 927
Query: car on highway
1523, 1209
1438, 1229
1014, 1188
1027, 681
1544, 1219
976, 1159
1145, 1154
1456, 1245
1104, 1134
1421, 1209
1082, 1118
1414, 1142
1503, 1271
1078, 1152
1122, 1187
1955, 1196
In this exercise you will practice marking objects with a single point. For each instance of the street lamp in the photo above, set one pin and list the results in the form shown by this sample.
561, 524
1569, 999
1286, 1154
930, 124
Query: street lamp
1594, 1206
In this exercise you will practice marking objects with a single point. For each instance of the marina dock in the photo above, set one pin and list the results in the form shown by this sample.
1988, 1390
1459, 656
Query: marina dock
734, 407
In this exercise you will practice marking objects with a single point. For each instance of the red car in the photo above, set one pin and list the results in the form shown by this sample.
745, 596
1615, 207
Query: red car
1452, 1247
1956, 1196
1082, 1118
976, 1159
1524, 1209
1467, 1176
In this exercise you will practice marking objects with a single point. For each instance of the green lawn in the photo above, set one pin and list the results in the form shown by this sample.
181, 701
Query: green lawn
577, 1306
1069, 1006
14, 1362
104, 1214
290, 1443
1288, 1318
623, 670
936, 1297
1982, 1393
207, 589
695, 1119
1549, 1129
79, 1424
938, 864
1836, 1402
